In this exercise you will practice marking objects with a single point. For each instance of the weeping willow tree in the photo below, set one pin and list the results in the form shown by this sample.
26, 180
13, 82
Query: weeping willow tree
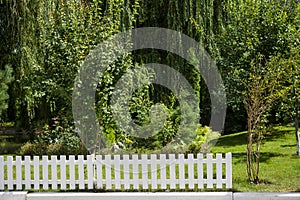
18, 27
202, 21
48, 41
45, 43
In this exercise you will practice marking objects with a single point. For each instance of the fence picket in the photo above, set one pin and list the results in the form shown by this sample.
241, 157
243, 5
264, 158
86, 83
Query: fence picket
126, 172
144, 171
191, 178
10, 173
19, 173
36, 172
181, 171
90, 171
209, 173
219, 170
200, 170
135, 171
99, 171
119, 172
54, 172
45, 172
63, 173
172, 171
163, 171
81, 172
228, 159
27, 165
72, 171
153, 160
2, 173
108, 171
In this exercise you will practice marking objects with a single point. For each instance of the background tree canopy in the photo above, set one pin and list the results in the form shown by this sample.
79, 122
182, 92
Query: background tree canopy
46, 41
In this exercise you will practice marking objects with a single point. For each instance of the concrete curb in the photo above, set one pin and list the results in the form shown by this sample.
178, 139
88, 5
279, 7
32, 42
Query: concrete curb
148, 196
132, 196
13, 195
265, 196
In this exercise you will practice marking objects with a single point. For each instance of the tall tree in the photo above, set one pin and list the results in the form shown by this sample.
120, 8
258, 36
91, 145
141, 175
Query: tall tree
288, 107
251, 39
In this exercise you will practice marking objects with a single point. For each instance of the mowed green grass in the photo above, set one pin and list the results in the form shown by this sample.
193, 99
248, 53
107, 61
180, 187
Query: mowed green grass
279, 169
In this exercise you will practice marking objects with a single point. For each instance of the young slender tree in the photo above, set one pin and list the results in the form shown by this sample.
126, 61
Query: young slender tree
264, 85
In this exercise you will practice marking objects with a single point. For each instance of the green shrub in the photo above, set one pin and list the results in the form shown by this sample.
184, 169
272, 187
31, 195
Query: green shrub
203, 141
59, 138
33, 149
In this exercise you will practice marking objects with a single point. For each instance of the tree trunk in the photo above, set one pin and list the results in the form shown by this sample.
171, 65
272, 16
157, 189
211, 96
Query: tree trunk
297, 136
253, 157
297, 130
297, 125
249, 150
257, 156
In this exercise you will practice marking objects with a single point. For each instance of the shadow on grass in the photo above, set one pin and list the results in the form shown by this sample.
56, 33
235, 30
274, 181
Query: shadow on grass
264, 156
11, 140
241, 138
288, 145
276, 133
233, 139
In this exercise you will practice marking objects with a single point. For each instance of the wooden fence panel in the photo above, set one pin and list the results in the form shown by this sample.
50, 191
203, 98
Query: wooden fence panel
116, 172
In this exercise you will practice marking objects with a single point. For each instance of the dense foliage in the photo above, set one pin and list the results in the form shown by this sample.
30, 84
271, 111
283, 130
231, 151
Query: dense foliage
5, 79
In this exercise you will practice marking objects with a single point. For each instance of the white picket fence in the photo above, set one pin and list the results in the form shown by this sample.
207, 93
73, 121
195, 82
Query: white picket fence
116, 172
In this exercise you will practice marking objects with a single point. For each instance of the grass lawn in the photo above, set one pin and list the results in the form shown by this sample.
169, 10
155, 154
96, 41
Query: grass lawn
280, 167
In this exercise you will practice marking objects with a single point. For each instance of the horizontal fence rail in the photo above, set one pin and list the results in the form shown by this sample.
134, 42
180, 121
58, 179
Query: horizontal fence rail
122, 172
